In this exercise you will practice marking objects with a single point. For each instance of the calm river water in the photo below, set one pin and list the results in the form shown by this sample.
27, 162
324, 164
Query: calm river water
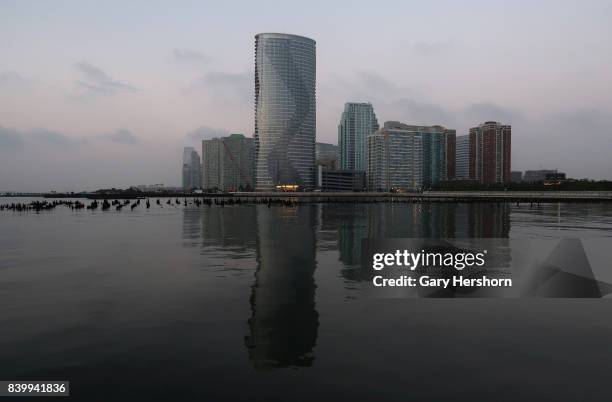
247, 302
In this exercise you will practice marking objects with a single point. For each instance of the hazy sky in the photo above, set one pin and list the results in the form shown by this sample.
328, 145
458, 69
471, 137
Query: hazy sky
102, 94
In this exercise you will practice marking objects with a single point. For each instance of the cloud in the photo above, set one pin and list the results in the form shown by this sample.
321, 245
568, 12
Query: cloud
428, 48
408, 104
576, 141
10, 140
365, 86
410, 110
487, 111
95, 82
121, 136
228, 87
12, 79
53, 138
16, 140
189, 56
206, 133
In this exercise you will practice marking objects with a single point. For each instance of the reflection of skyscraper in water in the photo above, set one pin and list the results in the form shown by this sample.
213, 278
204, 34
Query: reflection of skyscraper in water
229, 226
284, 323
352, 227
482, 220
192, 225
355, 222
395, 220
358, 221
438, 220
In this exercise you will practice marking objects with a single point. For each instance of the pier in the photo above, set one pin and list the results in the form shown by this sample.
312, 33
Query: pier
431, 196
292, 199
426, 196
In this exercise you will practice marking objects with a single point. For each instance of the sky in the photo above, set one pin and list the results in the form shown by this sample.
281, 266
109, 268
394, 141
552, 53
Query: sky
106, 94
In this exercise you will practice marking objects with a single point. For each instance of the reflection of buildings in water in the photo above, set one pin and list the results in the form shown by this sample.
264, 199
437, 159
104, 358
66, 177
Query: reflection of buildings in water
192, 225
284, 322
482, 220
438, 220
419, 220
393, 220
352, 227
359, 221
230, 225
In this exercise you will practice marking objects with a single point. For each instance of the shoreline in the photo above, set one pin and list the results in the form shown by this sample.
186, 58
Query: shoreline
426, 196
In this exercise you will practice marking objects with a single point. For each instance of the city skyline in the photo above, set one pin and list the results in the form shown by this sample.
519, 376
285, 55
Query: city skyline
96, 98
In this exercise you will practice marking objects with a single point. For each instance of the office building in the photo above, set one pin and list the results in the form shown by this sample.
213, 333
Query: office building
228, 163
285, 112
462, 158
357, 122
192, 170
395, 156
490, 157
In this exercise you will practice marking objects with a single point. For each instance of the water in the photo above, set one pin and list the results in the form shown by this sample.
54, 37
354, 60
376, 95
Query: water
256, 303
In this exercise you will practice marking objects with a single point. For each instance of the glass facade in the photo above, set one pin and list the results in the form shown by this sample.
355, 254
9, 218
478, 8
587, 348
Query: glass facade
463, 157
285, 111
358, 121
438, 154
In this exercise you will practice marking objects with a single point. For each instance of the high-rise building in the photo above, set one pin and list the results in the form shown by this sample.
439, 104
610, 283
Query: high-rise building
237, 161
228, 163
211, 164
490, 145
326, 155
395, 158
285, 112
451, 152
192, 170
438, 153
463, 158
357, 122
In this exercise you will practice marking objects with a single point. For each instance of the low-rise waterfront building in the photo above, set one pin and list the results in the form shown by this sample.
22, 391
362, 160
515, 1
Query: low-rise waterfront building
331, 180
534, 176
516, 176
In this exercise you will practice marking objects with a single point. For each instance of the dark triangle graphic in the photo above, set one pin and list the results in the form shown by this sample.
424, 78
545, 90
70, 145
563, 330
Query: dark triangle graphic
567, 273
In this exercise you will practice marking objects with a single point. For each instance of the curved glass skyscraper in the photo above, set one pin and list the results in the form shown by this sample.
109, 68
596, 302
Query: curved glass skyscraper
285, 112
